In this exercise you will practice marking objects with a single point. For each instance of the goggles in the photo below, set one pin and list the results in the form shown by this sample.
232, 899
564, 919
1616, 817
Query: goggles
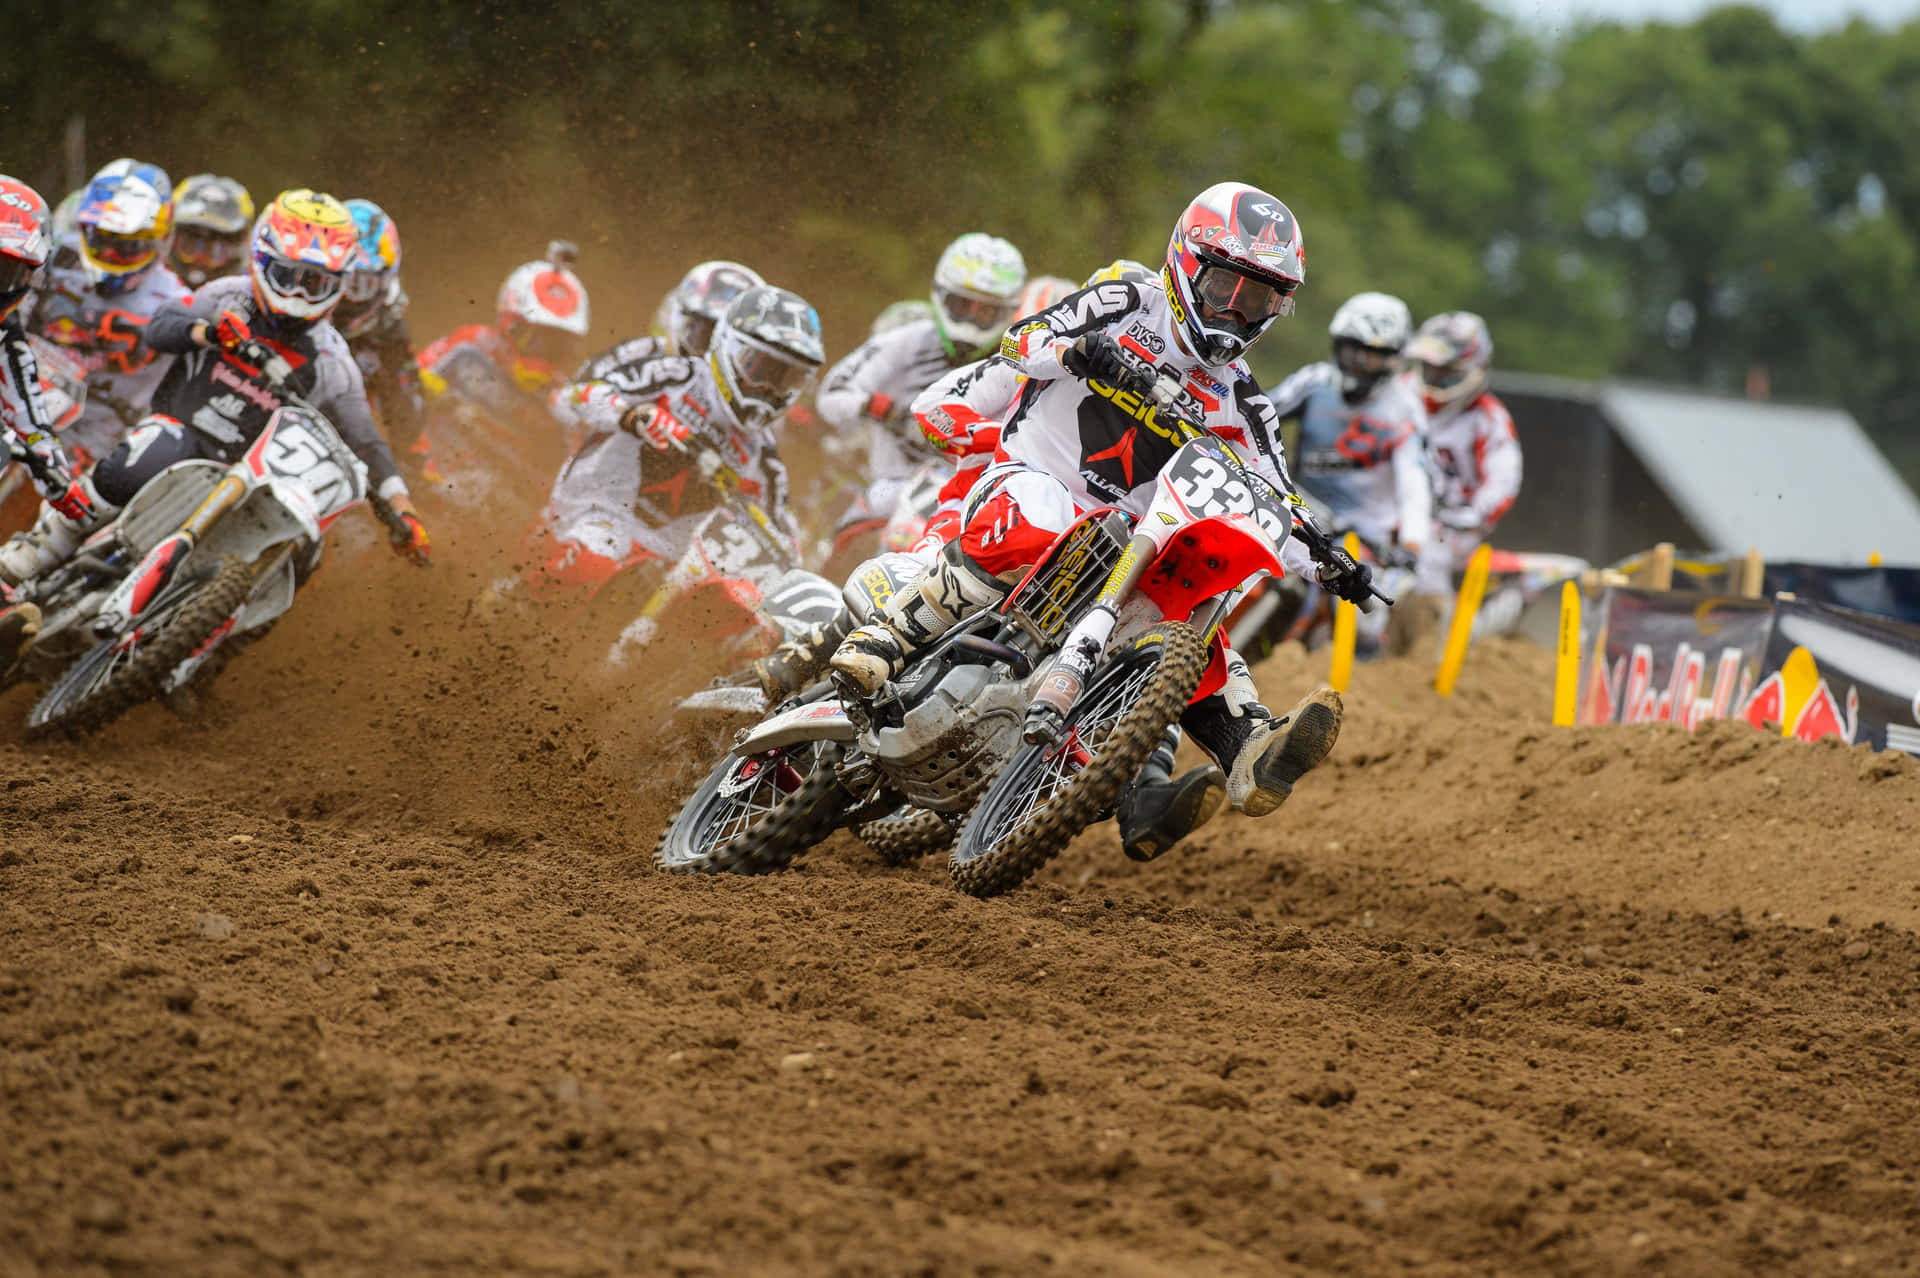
118, 252
362, 287
209, 250
976, 312
1241, 302
549, 345
1354, 357
1442, 376
699, 332
302, 280
768, 375
14, 274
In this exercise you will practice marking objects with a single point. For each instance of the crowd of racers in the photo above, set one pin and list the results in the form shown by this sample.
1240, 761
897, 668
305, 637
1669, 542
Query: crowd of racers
1007, 389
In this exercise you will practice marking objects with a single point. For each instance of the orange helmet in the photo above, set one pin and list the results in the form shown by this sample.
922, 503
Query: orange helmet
303, 245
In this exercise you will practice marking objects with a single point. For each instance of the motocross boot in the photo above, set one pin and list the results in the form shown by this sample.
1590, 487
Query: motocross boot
953, 588
19, 626
801, 659
52, 539
1158, 809
1264, 756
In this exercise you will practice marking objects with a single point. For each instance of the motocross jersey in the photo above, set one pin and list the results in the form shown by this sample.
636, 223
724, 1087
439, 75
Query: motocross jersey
1475, 459
210, 391
23, 419
961, 413
630, 352
471, 365
1363, 465
387, 365
109, 335
884, 373
1107, 446
618, 495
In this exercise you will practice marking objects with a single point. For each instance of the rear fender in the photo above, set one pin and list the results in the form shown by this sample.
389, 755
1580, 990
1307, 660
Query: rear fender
1206, 558
815, 721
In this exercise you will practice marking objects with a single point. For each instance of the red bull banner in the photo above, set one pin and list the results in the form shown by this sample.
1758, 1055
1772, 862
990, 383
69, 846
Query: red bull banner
1835, 672
1673, 657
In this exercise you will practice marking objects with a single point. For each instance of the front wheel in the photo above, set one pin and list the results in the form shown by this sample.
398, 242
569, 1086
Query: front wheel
1047, 794
121, 672
754, 814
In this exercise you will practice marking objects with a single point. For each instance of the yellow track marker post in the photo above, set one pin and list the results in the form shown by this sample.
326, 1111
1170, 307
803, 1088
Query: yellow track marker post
1473, 589
1346, 630
1566, 669
1873, 560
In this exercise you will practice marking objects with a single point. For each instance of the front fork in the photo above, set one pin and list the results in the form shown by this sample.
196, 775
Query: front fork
151, 575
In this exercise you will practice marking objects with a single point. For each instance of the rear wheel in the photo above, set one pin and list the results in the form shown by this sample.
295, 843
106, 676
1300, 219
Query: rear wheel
121, 672
907, 835
1047, 794
754, 814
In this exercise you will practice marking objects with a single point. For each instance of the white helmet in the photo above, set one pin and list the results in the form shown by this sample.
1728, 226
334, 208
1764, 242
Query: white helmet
689, 311
976, 292
1369, 332
1452, 352
542, 312
766, 348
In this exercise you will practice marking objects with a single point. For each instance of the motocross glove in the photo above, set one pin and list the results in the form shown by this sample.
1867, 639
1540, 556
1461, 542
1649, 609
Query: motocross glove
646, 423
1343, 576
71, 501
230, 332
1099, 356
406, 534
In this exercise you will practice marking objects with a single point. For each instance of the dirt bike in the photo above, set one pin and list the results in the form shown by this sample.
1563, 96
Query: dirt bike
736, 558
204, 556
1032, 715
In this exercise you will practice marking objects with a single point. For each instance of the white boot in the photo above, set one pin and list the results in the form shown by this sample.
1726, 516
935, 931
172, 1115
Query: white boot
953, 588
51, 541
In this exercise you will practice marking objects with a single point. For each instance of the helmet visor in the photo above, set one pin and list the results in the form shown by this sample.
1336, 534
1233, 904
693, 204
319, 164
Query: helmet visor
547, 344
361, 288
987, 313
14, 274
118, 252
769, 375
208, 250
1238, 302
1443, 376
303, 280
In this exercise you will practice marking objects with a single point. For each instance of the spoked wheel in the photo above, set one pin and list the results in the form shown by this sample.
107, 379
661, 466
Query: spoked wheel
120, 673
906, 835
1047, 794
754, 814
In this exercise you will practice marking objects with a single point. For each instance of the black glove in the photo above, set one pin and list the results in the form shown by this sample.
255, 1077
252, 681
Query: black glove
1098, 355
1341, 575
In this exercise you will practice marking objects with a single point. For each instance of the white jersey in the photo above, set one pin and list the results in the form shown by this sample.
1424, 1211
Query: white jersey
1108, 445
1475, 457
883, 374
108, 336
1362, 465
962, 413
617, 494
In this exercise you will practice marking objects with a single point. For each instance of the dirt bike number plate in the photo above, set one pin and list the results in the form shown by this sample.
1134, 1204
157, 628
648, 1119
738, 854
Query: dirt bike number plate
299, 454
1203, 481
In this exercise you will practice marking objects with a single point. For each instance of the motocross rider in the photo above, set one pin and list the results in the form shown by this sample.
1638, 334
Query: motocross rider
976, 292
211, 405
211, 218
1472, 450
1076, 440
1361, 456
372, 316
509, 369
25, 245
125, 220
603, 514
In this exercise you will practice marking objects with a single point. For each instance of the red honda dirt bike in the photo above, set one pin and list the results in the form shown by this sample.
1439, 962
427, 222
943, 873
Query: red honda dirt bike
982, 721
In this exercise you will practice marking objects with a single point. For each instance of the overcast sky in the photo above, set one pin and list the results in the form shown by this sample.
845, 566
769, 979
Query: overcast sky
1801, 15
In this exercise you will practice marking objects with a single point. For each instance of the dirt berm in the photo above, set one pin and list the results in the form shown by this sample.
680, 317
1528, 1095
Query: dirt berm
363, 971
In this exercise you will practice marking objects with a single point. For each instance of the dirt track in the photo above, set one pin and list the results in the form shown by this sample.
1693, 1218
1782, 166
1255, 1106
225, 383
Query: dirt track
363, 972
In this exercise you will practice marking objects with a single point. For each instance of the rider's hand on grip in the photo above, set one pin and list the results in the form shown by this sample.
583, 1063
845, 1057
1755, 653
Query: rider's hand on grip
73, 502
1099, 356
231, 332
409, 539
1341, 575
652, 428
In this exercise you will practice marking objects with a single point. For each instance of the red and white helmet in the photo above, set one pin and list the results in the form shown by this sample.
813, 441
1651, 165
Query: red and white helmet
543, 315
1451, 353
688, 313
25, 240
1233, 263
1043, 291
